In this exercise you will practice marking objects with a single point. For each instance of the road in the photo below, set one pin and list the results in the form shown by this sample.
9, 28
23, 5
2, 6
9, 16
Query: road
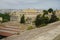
48, 32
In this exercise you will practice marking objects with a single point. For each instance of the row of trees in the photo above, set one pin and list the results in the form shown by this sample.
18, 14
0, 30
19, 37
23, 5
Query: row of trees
44, 19
40, 20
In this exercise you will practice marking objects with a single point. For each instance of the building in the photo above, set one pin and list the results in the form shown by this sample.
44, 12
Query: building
30, 14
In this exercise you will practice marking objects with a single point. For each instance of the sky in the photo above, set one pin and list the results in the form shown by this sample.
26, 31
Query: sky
24, 4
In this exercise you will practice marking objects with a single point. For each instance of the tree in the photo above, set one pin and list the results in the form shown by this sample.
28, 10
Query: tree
22, 19
50, 10
53, 18
37, 21
5, 17
45, 12
41, 20
45, 18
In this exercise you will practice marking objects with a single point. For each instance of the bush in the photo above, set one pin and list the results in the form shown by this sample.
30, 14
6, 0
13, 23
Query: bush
53, 18
45, 20
5, 16
38, 21
41, 20
30, 27
43, 25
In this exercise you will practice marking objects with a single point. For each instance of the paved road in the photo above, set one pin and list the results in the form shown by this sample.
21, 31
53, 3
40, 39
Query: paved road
48, 32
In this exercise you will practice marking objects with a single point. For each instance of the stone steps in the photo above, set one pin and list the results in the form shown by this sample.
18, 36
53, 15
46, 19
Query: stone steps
48, 32
8, 30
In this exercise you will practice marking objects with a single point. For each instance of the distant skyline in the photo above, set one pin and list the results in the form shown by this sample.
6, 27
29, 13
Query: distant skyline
24, 4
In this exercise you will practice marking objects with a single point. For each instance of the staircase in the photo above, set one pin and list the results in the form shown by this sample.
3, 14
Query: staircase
8, 30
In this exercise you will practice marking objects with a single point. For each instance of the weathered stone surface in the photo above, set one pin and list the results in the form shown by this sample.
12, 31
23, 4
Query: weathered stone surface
48, 32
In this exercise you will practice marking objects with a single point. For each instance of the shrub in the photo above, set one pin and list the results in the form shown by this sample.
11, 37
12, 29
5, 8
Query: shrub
30, 27
43, 25
41, 20
38, 20
53, 18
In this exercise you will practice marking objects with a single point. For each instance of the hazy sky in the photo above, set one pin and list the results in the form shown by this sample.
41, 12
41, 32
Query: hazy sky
23, 4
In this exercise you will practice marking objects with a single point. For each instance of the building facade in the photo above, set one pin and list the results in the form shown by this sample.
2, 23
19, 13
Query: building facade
30, 14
